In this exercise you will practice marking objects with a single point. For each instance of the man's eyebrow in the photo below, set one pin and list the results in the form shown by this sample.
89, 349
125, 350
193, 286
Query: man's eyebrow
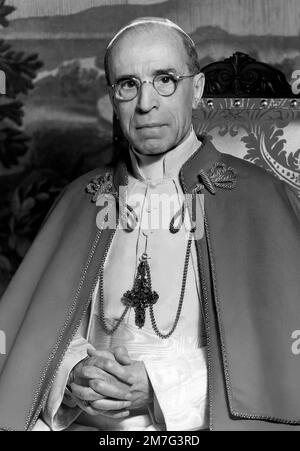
155, 72
124, 77
165, 70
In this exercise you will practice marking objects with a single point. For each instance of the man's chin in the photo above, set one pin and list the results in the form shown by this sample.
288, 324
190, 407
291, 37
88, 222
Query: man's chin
152, 147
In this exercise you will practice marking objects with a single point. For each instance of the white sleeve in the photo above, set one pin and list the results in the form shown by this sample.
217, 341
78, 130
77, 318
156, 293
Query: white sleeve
60, 410
180, 391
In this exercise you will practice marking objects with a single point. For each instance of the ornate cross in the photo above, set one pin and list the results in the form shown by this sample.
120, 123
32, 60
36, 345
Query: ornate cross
141, 296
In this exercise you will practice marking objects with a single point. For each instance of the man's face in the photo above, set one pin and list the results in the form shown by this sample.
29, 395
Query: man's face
154, 124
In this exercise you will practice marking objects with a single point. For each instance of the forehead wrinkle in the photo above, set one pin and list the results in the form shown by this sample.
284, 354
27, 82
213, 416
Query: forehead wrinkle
154, 56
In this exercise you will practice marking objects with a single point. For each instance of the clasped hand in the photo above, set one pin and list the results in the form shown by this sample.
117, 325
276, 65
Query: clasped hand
110, 383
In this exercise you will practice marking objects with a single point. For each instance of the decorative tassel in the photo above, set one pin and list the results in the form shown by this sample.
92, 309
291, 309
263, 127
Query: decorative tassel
101, 184
179, 215
219, 176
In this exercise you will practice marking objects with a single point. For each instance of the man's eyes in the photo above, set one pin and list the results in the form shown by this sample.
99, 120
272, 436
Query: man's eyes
128, 84
165, 78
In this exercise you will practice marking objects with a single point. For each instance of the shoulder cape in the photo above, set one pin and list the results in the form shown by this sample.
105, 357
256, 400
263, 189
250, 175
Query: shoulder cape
253, 255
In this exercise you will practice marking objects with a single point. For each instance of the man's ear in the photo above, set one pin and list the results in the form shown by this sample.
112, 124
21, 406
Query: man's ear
199, 83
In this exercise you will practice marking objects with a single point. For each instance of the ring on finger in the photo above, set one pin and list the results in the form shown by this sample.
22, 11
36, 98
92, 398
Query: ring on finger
86, 403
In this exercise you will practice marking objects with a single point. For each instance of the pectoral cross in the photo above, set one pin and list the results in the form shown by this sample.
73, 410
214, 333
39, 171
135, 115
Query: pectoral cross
141, 296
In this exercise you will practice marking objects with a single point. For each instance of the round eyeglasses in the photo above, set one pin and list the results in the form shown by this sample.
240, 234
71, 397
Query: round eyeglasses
165, 84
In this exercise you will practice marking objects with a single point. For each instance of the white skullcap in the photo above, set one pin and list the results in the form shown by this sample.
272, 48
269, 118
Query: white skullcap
153, 20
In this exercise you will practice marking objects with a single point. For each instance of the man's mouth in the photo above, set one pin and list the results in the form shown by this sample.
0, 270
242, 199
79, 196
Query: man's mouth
150, 125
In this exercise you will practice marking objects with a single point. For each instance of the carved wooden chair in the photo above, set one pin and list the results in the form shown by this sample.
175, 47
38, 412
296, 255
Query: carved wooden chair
249, 110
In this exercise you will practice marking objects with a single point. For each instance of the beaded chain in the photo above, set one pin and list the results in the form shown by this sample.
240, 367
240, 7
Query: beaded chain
219, 176
111, 331
180, 304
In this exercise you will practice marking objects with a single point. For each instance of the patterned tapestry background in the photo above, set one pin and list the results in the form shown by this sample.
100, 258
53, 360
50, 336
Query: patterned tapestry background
56, 120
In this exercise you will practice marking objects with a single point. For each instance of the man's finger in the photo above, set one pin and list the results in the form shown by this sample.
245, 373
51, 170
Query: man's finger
104, 354
87, 408
115, 415
109, 390
85, 393
114, 368
109, 404
121, 355
90, 410
92, 372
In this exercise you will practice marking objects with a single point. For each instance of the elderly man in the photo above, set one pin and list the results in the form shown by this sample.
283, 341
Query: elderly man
116, 321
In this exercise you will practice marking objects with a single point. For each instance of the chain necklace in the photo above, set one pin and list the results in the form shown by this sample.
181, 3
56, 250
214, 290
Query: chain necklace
218, 176
141, 296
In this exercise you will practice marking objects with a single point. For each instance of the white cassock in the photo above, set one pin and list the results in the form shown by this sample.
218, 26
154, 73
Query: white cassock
176, 366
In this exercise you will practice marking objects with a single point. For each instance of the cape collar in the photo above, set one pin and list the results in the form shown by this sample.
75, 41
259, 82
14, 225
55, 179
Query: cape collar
166, 165
205, 158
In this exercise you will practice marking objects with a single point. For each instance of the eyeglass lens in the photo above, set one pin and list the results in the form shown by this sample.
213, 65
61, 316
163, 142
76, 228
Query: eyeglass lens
128, 89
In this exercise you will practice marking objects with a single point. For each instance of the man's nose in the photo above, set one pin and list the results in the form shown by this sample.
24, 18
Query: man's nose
147, 97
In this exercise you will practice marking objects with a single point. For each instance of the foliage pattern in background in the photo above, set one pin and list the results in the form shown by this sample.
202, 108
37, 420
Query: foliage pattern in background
20, 70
